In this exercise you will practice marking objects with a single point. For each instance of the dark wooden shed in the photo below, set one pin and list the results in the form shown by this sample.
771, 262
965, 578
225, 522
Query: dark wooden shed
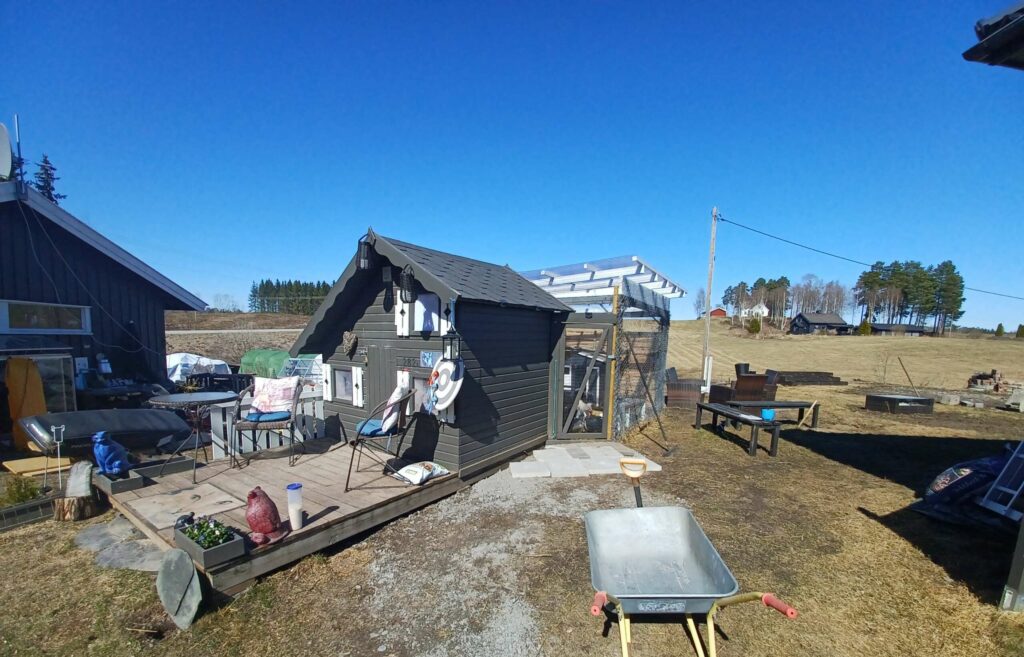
509, 329
61, 279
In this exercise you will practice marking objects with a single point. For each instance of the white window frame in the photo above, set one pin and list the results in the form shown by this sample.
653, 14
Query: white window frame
356, 372
5, 319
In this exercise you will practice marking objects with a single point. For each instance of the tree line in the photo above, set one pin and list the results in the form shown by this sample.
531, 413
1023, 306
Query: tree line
43, 181
906, 292
294, 297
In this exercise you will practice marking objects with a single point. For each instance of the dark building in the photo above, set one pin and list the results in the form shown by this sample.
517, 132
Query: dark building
68, 292
897, 329
1000, 39
805, 323
508, 328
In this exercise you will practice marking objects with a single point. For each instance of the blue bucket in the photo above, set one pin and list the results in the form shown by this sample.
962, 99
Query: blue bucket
767, 414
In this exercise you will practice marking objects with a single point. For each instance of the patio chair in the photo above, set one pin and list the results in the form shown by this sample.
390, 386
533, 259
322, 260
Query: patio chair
374, 436
280, 421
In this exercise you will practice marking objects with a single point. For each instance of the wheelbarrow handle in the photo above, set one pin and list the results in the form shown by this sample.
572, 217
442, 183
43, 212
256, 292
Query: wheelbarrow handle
600, 600
770, 600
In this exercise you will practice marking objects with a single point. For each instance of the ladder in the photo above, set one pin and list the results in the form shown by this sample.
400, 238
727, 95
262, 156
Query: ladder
1006, 495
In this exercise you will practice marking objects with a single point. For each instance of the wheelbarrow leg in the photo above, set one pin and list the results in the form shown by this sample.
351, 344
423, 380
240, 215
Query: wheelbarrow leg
694, 636
624, 632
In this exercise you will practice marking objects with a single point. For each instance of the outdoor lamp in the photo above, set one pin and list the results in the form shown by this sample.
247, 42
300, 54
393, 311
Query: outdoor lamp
365, 253
407, 285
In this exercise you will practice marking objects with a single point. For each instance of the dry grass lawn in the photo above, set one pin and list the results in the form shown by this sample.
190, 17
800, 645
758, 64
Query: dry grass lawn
825, 525
932, 362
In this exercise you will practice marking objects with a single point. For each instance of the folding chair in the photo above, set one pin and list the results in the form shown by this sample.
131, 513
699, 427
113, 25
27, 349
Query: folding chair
377, 434
241, 425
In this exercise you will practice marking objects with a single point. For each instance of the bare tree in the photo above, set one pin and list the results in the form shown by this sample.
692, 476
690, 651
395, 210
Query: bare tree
698, 302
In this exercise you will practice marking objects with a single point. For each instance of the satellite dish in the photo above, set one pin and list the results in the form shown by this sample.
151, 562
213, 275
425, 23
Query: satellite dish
6, 159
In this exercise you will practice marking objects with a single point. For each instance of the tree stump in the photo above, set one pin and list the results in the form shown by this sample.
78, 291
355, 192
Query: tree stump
74, 508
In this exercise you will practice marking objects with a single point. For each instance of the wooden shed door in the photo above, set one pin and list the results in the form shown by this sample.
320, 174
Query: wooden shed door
380, 375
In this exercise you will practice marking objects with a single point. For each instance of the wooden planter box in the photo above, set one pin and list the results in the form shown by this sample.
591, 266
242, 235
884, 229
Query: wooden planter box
173, 465
214, 556
115, 486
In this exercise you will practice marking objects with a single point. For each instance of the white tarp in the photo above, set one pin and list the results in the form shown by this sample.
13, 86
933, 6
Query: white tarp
180, 366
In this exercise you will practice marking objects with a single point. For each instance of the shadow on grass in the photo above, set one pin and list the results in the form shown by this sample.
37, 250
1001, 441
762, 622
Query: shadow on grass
977, 557
911, 461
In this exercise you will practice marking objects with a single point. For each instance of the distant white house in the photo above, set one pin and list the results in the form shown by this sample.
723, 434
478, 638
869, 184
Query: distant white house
759, 310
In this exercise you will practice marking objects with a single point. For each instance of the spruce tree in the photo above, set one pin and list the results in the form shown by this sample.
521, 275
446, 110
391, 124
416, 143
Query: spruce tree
45, 180
1020, 331
1000, 331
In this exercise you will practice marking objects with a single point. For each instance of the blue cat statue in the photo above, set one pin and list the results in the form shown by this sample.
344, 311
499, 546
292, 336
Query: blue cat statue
111, 457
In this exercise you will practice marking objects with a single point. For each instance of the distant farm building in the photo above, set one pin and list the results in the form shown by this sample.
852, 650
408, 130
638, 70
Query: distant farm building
719, 311
806, 323
905, 330
758, 310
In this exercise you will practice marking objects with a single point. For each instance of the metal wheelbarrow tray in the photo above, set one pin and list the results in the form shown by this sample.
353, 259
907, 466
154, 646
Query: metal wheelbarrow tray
656, 560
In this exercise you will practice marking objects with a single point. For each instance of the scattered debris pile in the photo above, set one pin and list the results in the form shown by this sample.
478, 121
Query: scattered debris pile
992, 381
798, 378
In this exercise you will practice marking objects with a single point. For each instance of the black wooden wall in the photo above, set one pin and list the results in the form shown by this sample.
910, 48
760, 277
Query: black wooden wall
115, 294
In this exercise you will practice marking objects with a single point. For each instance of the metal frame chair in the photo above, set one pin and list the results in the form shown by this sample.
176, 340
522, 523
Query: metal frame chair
239, 425
363, 443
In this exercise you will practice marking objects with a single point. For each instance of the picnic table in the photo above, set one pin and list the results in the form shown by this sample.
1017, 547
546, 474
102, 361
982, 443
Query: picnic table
802, 406
753, 421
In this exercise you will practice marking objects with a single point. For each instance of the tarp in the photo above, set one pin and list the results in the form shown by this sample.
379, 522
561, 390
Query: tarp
180, 365
263, 362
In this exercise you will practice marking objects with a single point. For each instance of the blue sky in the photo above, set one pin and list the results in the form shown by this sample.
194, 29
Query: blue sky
246, 140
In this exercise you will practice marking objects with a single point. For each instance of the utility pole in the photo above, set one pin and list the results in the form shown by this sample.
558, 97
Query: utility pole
706, 359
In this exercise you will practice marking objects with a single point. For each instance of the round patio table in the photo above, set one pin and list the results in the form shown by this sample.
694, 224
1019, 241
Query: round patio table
199, 404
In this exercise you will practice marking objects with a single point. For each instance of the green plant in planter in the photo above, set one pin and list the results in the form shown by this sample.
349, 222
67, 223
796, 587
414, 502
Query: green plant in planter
208, 533
20, 489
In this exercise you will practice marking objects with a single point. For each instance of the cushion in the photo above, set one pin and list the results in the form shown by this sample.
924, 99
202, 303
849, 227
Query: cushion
280, 416
273, 395
392, 410
371, 428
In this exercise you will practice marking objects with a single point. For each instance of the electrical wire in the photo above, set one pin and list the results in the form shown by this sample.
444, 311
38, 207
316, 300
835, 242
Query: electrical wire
85, 288
839, 257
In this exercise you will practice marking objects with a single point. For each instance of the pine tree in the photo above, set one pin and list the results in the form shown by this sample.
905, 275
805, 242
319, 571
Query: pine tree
1000, 331
1020, 331
45, 180
254, 298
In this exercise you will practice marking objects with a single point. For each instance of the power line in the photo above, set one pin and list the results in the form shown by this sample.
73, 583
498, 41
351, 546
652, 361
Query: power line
839, 257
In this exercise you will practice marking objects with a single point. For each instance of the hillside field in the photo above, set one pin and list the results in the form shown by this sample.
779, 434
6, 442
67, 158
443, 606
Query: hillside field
932, 362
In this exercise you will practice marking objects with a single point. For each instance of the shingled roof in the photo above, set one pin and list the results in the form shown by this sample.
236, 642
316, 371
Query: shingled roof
831, 319
466, 278
444, 274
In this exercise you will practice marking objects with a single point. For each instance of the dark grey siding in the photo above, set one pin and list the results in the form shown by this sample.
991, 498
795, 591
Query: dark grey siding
367, 308
115, 294
503, 403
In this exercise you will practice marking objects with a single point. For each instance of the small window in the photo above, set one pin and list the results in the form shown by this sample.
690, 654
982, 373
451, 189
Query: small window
419, 384
342, 384
43, 318
427, 315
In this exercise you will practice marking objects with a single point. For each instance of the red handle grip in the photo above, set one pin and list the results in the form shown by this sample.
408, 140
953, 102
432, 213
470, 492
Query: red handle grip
770, 600
600, 600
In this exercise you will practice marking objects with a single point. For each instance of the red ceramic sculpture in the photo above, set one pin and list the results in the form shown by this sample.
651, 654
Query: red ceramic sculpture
263, 518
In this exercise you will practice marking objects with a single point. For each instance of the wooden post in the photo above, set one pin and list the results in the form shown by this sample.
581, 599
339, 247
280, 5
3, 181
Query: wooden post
613, 353
707, 301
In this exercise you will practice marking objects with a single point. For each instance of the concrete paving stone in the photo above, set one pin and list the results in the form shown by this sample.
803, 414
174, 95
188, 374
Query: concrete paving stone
603, 452
603, 467
568, 467
528, 469
577, 451
552, 454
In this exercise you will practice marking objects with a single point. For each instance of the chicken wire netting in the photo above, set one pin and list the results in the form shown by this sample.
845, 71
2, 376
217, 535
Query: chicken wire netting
641, 351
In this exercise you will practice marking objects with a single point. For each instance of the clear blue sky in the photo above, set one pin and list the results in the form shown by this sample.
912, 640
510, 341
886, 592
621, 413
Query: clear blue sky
238, 141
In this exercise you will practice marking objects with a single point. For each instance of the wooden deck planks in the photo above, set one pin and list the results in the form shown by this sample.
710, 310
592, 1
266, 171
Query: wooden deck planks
333, 515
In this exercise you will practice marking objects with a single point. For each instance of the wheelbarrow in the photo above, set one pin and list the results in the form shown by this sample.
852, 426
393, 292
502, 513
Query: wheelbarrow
657, 560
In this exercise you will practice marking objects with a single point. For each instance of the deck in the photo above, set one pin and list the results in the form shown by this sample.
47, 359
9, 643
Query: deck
332, 515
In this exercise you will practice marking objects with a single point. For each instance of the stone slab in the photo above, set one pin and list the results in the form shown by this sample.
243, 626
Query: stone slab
528, 469
96, 538
143, 555
603, 467
552, 454
568, 467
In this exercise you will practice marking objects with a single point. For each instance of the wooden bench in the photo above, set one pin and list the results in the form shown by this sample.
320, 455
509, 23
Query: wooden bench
754, 422
801, 406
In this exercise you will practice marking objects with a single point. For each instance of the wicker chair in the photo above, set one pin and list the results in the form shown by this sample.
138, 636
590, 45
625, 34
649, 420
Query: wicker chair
240, 425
